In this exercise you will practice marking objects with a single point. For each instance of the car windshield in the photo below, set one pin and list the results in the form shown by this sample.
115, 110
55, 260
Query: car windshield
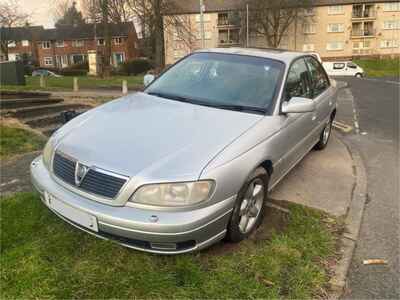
227, 81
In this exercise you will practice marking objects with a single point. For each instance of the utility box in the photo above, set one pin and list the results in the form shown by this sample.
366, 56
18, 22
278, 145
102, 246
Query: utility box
12, 73
94, 59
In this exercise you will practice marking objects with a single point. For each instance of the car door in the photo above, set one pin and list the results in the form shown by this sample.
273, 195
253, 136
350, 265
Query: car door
322, 94
294, 139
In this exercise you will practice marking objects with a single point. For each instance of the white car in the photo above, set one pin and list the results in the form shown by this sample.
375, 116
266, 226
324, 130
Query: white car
343, 68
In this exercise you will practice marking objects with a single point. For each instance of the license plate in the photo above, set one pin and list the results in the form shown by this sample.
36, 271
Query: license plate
75, 215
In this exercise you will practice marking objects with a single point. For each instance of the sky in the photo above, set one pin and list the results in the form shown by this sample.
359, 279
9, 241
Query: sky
41, 11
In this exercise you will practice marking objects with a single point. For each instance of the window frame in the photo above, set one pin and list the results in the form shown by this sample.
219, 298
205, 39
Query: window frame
48, 58
25, 43
310, 78
59, 45
340, 28
46, 44
78, 43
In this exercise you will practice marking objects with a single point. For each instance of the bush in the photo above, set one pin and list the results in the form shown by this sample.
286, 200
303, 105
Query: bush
135, 67
72, 72
81, 66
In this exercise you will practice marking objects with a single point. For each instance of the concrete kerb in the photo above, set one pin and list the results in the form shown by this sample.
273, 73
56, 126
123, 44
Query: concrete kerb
352, 222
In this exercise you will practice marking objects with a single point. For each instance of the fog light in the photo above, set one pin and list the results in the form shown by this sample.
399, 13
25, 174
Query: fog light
163, 246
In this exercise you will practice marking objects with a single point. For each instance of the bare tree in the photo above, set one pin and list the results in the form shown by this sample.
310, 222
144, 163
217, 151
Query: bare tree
273, 19
11, 15
60, 9
118, 10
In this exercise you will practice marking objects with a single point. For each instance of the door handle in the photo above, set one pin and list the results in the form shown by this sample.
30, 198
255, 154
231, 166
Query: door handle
314, 117
330, 103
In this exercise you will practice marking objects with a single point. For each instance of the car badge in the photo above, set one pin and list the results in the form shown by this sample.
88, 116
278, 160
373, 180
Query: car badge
80, 173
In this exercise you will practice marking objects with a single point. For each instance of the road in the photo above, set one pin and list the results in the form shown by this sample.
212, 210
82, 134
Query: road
371, 107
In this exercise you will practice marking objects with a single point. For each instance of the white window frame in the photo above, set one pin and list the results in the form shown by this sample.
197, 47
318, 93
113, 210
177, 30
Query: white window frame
389, 44
336, 10
117, 41
12, 44
48, 61
308, 47
60, 44
78, 43
25, 43
395, 24
391, 6
101, 44
46, 45
310, 28
335, 27
340, 46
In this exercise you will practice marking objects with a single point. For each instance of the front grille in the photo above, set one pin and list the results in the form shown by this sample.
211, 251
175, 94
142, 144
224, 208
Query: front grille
95, 182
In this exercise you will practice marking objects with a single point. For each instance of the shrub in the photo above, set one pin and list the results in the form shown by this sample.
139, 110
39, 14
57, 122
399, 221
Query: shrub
72, 72
81, 66
136, 66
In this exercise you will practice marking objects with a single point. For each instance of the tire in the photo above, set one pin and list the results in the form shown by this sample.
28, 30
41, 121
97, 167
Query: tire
252, 209
359, 75
325, 135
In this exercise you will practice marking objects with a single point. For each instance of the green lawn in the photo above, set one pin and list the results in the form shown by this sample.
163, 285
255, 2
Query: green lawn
43, 257
85, 82
17, 141
380, 67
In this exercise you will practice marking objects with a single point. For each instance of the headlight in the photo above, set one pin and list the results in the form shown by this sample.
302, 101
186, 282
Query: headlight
173, 194
48, 153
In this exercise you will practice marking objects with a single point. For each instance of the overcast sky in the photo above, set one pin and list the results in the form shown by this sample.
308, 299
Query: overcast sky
41, 10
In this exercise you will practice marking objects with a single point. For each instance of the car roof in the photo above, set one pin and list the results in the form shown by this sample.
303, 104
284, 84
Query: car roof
285, 56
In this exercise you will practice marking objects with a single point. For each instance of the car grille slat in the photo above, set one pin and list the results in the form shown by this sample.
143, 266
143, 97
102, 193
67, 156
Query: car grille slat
95, 182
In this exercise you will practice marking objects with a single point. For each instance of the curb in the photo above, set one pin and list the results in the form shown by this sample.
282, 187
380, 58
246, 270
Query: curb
352, 222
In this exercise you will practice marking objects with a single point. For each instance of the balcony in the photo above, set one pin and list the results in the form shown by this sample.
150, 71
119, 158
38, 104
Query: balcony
231, 19
356, 33
364, 14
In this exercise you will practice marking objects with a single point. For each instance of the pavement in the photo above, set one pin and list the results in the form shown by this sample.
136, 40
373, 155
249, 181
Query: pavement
371, 107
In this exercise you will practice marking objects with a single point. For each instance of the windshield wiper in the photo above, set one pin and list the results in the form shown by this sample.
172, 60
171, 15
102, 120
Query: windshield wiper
171, 96
242, 108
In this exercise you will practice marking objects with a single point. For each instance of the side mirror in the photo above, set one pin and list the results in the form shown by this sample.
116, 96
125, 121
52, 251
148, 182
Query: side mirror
298, 105
149, 78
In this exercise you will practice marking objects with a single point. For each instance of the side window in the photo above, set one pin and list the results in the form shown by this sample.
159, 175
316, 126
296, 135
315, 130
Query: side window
352, 65
319, 80
338, 66
297, 83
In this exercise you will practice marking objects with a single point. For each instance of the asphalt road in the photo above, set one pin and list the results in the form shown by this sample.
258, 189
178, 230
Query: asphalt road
371, 107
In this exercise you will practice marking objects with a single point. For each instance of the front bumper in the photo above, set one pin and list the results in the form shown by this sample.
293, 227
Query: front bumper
173, 232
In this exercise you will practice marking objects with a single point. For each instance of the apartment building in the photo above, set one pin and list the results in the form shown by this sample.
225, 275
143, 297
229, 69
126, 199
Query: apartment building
64, 46
336, 29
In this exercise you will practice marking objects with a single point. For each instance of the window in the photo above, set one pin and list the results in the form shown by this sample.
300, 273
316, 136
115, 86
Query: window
319, 80
338, 66
351, 65
100, 42
118, 41
297, 83
362, 45
223, 80
391, 24
59, 44
308, 47
336, 27
309, 28
46, 45
206, 17
334, 46
228, 36
12, 44
48, 61
335, 10
77, 58
25, 43
119, 58
77, 43
309, 11
207, 34
389, 44
391, 6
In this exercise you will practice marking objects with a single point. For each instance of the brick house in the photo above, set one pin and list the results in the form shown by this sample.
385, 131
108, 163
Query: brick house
64, 46
336, 29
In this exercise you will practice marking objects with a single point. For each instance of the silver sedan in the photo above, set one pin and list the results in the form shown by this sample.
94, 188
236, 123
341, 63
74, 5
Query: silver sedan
190, 160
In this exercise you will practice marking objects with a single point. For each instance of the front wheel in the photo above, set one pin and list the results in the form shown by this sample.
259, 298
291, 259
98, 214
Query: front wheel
249, 209
359, 75
324, 137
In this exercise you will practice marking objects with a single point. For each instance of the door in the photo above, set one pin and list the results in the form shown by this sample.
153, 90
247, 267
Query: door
322, 94
339, 69
352, 69
294, 139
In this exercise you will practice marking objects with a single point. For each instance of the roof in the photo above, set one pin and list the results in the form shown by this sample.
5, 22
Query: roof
65, 32
20, 33
192, 6
285, 56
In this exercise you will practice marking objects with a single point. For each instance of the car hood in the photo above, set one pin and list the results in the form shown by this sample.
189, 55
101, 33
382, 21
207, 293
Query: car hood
152, 138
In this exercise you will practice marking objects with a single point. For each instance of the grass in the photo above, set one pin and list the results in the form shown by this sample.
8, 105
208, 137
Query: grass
43, 257
380, 67
85, 82
17, 141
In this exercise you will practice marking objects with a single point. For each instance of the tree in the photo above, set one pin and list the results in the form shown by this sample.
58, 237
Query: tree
118, 10
273, 18
71, 15
10, 16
